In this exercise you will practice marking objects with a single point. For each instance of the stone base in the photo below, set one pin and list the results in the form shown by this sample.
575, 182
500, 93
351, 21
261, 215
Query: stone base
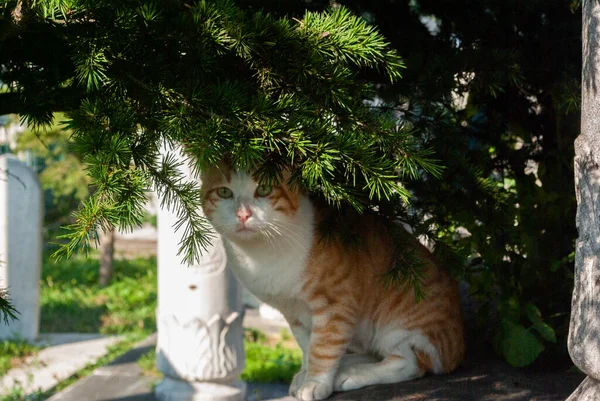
588, 390
177, 390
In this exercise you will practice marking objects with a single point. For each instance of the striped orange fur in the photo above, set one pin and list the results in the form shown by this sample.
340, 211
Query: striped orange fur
353, 331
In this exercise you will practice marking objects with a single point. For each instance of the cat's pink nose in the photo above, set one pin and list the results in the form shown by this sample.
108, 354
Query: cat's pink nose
243, 214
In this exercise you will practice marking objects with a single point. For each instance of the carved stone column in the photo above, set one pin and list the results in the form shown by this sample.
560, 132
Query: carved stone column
199, 319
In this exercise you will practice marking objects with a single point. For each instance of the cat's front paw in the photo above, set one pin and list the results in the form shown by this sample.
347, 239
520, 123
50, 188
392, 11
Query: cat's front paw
297, 382
350, 378
312, 390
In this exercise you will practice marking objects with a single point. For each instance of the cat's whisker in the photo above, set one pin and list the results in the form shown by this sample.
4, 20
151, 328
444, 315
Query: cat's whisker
281, 235
294, 228
265, 234
294, 231
278, 237
224, 227
289, 234
293, 223
270, 238
291, 229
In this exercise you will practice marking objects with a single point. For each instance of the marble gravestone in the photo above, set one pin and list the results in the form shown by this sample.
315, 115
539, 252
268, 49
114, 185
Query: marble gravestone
199, 320
21, 211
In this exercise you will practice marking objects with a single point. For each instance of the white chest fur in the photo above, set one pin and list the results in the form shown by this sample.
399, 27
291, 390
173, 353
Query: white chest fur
273, 267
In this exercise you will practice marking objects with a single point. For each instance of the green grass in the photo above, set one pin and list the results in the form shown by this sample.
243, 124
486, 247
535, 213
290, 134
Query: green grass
114, 351
71, 299
12, 353
265, 363
18, 394
147, 363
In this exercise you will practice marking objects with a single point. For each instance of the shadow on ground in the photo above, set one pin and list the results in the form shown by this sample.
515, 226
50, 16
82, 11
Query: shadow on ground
476, 381
485, 379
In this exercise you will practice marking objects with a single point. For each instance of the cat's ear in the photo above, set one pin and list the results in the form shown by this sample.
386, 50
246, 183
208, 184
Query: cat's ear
286, 174
216, 175
292, 195
225, 169
292, 181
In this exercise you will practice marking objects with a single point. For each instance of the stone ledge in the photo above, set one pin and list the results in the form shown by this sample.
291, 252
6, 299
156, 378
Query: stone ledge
588, 390
475, 381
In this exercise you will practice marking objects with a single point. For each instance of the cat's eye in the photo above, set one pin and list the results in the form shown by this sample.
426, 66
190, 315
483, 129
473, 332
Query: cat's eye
224, 192
264, 190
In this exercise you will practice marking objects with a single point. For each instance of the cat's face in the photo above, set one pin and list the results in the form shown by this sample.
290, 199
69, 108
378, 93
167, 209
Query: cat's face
240, 209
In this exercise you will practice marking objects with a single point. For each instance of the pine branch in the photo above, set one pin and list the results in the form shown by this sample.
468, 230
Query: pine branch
7, 310
185, 198
343, 37
265, 93
407, 271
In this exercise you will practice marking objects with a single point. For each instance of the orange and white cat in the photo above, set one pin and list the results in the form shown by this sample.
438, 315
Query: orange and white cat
352, 331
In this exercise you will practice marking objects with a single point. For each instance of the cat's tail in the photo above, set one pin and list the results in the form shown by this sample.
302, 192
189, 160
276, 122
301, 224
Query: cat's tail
449, 349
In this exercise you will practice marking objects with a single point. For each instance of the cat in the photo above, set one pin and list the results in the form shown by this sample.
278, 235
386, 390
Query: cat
353, 332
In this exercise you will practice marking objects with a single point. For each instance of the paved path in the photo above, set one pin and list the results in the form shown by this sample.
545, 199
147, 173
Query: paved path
123, 380
66, 353
120, 380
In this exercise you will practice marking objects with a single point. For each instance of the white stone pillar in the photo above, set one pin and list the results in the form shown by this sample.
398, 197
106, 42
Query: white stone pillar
199, 320
21, 211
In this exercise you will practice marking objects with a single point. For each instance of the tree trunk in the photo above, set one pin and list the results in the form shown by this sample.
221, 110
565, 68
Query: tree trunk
584, 331
107, 254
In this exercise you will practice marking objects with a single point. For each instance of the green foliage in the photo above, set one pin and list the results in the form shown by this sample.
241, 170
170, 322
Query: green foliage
406, 260
285, 334
147, 363
521, 345
518, 345
71, 299
264, 363
7, 309
255, 335
14, 351
266, 92
490, 90
150, 219
61, 172
267, 364
502, 117
18, 393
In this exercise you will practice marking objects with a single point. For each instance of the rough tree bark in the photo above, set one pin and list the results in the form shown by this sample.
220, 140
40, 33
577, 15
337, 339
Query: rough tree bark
107, 252
584, 332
